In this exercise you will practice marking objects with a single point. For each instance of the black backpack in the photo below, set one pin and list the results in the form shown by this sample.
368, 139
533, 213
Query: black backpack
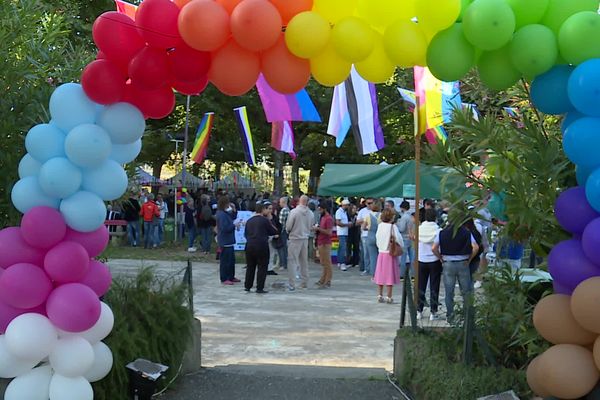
206, 213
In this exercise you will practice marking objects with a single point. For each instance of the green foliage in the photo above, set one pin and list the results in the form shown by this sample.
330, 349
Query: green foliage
151, 322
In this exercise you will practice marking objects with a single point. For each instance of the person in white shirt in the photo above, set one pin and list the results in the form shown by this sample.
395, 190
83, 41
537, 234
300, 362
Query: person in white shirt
387, 272
342, 224
430, 266
160, 227
363, 214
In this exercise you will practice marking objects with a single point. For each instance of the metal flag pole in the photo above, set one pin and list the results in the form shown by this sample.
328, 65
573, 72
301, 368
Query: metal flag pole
185, 139
417, 197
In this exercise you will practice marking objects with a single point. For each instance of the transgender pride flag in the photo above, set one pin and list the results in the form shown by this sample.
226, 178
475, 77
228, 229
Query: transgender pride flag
286, 107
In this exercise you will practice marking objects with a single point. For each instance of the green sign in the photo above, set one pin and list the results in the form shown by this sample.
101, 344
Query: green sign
409, 190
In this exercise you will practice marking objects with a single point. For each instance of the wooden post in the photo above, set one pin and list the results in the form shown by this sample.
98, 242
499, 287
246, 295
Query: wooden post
417, 198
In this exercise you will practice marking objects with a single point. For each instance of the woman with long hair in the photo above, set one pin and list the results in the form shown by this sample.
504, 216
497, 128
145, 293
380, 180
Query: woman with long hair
430, 266
387, 272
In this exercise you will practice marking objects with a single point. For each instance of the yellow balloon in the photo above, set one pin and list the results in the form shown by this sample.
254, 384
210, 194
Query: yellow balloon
307, 34
405, 44
328, 68
377, 68
437, 15
382, 13
352, 38
334, 10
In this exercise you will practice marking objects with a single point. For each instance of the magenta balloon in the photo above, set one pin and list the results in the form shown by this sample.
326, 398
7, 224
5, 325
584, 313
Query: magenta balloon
73, 307
67, 262
569, 266
14, 249
98, 278
94, 242
24, 286
573, 211
43, 227
8, 313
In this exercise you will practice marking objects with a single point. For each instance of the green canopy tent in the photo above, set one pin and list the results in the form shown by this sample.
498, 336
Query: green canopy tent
388, 180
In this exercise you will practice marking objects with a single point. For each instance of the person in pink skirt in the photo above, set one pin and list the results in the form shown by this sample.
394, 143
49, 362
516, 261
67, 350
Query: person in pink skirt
387, 272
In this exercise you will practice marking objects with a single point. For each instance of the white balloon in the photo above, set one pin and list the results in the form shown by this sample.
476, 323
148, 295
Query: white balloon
103, 361
64, 388
72, 356
31, 336
29, 166
11, 365
100, 330
34, 385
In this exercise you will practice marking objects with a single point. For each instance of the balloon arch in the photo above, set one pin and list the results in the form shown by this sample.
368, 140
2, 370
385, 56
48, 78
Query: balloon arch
52, 322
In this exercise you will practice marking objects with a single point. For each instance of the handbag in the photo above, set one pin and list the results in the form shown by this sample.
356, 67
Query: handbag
395, 249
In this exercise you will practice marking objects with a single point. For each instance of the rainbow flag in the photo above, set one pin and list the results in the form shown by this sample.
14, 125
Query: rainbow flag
126, 8
286, 107
282, 137
202, 136
241, 115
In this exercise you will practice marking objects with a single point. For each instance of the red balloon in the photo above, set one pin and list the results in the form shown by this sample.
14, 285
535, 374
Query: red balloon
103, 82
188, 65
284, 72
154, 104
157, 23
149, 69
193, 88
234, 70
117, 38
256, 24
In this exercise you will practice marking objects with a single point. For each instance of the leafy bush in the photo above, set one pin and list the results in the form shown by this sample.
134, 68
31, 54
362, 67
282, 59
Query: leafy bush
151, 322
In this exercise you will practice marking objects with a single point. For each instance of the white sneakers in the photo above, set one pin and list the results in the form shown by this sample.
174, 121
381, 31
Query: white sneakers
192, 250
419, 315
343, 267
477, 284
433, 317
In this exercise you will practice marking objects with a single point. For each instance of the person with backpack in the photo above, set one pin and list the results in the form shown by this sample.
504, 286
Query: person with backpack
206, 223
477, 232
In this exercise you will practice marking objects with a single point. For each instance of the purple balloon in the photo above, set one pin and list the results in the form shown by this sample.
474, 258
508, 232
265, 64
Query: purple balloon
73, 307
573, 211
590, 240
560, 289
569, 266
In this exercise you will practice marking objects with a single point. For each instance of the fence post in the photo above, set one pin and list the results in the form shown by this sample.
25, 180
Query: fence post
187, 280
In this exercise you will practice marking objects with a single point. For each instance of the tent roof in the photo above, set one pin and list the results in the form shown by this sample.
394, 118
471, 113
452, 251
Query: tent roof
190, 180
144, 178
387, 180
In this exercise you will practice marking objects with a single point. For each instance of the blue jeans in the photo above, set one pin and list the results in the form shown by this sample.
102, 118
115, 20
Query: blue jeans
149, 234
342, 249
206, 238
364, 255
373, 253
456, 271
133, 232
283, 251
409, 252
227, 264
191, 229
160, 230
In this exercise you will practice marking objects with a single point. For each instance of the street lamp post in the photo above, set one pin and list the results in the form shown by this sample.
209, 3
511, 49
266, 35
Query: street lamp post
175, 225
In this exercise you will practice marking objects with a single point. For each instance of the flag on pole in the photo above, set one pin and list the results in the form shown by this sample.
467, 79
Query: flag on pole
126, 8
286, 107
202, 136
355, 106
282, 137
241, 115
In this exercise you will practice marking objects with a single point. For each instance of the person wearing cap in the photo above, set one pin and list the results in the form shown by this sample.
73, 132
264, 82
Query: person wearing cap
342, 225
299, 225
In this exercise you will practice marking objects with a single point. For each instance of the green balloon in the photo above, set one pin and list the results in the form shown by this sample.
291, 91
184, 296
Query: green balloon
449, 55
579, 37
534, 50
560, 10
464, 4
528, 11
489, 24
496, 70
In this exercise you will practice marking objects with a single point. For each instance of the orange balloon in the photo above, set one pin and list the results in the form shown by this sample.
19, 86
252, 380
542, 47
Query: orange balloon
256, 24
289, 8
204, 25
181, 3
234, 70
534, 379
229, 4
285, 72
554, 321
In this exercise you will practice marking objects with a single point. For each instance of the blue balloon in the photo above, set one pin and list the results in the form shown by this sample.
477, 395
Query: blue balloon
124, 123
45, 141
88, 145
84, 211
549, 91
592, 189
27, 194
581, 142
582, 174
69, 107
108, 181
569, 119
126, 153
59, 178
584, 87
29, 166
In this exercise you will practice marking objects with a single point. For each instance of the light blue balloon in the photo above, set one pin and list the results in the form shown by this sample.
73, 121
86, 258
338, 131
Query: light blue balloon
29, 166
45, 141
84, 211
582, 174
88, 145
549, 91
581, 142
569, 119
27, 194
69, 107
592, 189
126, 153
584, 88
123, 122
59, 178
108, 181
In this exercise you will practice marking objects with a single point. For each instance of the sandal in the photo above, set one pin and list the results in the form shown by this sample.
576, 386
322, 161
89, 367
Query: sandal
380, 299
389, 300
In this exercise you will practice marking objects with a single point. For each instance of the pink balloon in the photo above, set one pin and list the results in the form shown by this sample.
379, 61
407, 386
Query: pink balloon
43, 227
67, 262
94, 242
8, 313
73, 307
24, 286
14, 249
98, 278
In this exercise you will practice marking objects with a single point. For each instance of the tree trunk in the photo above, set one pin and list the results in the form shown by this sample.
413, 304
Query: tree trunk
277, 173
157, 169
218, 168
315, 173
296, 177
